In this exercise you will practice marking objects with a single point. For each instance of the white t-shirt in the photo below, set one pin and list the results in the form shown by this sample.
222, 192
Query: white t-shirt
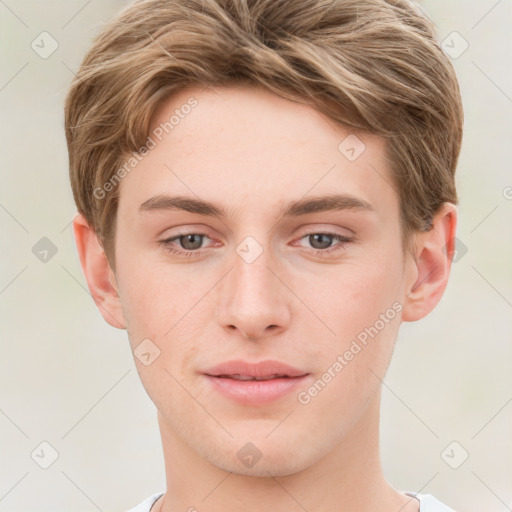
427, 503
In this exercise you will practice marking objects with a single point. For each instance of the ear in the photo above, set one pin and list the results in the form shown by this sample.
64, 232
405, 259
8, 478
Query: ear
433, 254
100, 278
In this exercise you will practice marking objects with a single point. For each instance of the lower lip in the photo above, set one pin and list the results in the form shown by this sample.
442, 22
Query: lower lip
255, 392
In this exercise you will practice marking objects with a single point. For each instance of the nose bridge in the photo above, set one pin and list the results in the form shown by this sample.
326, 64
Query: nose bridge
252, 298
253, 279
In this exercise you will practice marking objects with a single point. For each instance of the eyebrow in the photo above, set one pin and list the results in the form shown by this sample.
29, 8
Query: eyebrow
324, 203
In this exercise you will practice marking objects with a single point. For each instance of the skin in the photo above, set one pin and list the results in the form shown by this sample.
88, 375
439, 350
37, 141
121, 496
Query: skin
252, 152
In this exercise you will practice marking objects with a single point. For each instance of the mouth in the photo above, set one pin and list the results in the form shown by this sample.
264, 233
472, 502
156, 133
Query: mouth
237, 376
254, 383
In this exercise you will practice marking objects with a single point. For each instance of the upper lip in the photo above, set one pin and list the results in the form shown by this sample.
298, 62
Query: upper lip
261, 369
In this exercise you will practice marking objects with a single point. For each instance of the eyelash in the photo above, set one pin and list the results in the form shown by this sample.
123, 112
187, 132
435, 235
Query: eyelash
343, 240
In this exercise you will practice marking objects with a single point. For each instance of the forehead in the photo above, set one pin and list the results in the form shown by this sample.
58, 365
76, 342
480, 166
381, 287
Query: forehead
246, 147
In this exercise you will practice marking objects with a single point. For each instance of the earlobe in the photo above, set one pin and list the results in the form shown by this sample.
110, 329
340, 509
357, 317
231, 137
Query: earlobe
433, 257
98, 274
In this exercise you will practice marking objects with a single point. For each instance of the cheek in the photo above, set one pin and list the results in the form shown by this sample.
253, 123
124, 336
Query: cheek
362, 309
354, 295
150, 300
168, 305
360, 306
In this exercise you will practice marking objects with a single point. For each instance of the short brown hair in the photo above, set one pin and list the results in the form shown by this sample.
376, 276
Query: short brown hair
374, 66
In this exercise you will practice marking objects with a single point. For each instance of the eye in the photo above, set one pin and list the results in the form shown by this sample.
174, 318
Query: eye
190, 242
321, 242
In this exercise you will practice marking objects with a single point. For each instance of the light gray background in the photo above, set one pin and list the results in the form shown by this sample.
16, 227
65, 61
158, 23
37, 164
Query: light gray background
68, 378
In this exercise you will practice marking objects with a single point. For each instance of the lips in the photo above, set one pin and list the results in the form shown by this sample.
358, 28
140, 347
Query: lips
254, 383
263, 370
237, 376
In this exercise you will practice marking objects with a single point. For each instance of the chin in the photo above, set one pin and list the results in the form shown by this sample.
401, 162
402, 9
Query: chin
278, 466
261, 458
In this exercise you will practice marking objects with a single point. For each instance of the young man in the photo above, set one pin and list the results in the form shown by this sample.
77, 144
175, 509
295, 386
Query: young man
265, 192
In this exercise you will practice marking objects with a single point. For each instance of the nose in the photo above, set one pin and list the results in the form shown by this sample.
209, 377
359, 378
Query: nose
252, 300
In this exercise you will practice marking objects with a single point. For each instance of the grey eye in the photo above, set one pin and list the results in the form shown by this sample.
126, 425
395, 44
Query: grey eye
320, 240
191, 241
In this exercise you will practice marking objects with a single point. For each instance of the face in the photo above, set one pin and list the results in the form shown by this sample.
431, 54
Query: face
266, 271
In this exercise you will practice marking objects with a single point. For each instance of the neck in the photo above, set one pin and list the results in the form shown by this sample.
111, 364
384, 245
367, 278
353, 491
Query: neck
348, 478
